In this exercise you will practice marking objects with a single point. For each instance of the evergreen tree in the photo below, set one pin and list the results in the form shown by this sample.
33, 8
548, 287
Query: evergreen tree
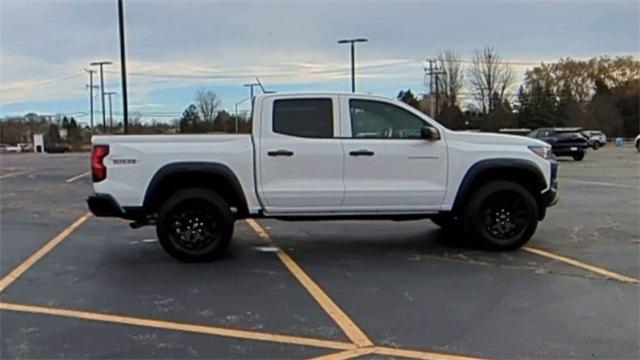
53, 133
190, 121
409, 98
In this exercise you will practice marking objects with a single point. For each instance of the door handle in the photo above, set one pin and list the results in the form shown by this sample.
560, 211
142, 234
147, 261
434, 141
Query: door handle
280, 152
361, 153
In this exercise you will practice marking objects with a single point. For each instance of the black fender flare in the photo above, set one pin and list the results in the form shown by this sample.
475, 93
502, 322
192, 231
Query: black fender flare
209, 168
476, 170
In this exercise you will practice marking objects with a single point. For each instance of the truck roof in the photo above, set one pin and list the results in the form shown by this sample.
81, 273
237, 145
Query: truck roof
321, 93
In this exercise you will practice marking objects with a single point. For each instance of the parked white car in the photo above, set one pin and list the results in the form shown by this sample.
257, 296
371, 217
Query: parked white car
596, 138
10, 148
324, 156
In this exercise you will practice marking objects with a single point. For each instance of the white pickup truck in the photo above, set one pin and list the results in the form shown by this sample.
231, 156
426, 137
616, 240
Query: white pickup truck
324, 156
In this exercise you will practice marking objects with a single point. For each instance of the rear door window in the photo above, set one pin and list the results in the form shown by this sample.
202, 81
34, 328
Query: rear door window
310, 118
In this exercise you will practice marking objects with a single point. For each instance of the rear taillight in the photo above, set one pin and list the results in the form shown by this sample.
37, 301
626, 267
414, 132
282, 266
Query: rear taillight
98, 169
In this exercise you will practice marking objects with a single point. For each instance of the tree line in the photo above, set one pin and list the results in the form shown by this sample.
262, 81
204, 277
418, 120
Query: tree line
599, 93
20, 129
204, 116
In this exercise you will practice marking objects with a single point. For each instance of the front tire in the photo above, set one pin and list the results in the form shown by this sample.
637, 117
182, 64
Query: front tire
578, 156
195, 225
501, 215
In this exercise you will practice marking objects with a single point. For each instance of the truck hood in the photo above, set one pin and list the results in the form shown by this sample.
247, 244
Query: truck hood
491, 138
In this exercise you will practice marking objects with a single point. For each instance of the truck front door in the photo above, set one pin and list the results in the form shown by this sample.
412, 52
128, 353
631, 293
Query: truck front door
388, 166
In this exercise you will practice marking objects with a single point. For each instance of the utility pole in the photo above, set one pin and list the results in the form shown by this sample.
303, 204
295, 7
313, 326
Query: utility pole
432, 107
91, 72
435, 101
353, 58
235, 116
104, 110
437, 95
251, 86
109, 93
123, 68
489, 84
236, 111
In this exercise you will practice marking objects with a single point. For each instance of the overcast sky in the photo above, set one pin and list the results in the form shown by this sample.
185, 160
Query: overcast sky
176, 47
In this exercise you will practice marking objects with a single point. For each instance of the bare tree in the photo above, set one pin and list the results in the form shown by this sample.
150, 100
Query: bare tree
490, 79
452, 81
208, 103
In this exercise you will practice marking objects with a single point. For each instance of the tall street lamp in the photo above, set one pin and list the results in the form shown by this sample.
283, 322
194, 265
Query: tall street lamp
123, 67
353, 58
104, 111
251, 86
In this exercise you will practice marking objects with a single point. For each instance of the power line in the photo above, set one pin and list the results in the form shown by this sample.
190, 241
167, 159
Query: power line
40, 83
268, 75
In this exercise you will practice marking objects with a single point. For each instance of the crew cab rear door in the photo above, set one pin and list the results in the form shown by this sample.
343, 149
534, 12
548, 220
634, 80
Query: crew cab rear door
300, 158
388, 166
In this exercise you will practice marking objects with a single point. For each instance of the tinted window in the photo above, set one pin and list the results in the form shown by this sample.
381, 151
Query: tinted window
378, 120
303, 117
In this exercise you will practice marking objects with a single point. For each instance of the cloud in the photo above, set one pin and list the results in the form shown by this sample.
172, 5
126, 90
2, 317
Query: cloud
224, 44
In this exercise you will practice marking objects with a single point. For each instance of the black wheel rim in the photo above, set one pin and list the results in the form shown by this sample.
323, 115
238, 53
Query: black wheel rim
192, 225
504, 215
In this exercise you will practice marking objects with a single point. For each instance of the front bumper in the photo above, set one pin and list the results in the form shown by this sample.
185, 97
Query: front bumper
550, 197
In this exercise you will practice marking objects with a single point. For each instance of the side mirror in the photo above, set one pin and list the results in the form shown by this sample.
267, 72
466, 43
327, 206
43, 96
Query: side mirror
429, 133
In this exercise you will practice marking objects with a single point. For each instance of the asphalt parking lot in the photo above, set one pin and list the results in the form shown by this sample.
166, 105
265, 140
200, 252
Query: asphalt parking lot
76, 286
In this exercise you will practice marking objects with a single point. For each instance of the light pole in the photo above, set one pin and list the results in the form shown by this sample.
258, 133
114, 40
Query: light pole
353, 58
123, 67
251, 86
104, 111
109, 93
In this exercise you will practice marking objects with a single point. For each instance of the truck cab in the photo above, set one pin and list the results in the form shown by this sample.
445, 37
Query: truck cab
343, 154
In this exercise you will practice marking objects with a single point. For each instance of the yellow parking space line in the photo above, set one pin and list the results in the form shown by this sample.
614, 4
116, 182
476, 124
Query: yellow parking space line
44, 250
15, 173
177, 326
347, 325
347, 354
420, 354
259, 230
577, 263
72, 179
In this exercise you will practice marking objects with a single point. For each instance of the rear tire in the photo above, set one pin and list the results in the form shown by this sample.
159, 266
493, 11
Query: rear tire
195, 225
501, 215
596, 145
578, 156
638, 145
